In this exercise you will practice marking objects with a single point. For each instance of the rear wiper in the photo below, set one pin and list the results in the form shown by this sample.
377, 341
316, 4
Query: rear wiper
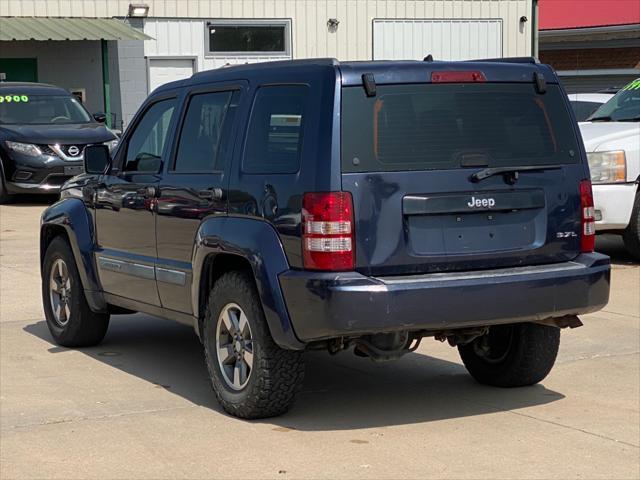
511, 171
603, 118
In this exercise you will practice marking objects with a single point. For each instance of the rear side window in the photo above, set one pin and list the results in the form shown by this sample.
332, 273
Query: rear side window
274, 138
425, 126
199, 145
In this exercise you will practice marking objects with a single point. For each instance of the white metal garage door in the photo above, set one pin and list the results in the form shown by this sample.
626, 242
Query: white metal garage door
444, 39
165, 70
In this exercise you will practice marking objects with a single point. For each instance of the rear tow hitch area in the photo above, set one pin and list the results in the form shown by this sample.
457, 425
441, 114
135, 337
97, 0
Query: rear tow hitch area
461, 337
384, 347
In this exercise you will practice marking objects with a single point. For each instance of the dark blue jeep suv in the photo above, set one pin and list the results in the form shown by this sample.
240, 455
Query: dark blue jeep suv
314, 204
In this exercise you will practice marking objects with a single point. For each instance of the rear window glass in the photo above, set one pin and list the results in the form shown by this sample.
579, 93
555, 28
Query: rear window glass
425, 126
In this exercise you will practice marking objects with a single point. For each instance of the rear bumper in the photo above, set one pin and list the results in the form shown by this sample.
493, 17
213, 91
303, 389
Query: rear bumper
328, 305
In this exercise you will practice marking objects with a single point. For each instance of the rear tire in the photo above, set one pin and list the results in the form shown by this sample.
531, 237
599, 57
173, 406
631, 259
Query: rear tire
631, 235
512, 355
236, 336
70, 320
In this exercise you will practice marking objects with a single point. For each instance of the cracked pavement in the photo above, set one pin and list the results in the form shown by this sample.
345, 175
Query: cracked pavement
140, 406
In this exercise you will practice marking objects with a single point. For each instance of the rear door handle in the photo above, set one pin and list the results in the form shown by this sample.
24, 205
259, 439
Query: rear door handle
211, 194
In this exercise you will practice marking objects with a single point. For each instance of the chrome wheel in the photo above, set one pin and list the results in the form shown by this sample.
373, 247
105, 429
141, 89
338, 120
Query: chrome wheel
234, 346
60, 292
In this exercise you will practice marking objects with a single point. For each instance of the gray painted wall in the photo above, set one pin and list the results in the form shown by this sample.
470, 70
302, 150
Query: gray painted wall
68, 64
132, 72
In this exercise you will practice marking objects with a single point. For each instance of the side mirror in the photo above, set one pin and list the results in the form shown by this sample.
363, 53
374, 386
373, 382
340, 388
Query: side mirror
100, 117
96, 159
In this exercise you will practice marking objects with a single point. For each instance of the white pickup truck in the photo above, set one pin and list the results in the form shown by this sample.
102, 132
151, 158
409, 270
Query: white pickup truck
612, 140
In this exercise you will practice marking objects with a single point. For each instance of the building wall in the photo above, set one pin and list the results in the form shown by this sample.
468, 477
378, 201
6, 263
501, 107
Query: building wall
77, 65
592, 58
352, 40
133, 79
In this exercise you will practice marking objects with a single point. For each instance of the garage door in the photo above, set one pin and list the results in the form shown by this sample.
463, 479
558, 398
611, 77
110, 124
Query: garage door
444, 39
165, 70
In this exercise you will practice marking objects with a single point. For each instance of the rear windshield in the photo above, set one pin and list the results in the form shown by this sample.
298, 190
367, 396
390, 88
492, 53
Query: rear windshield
426, 126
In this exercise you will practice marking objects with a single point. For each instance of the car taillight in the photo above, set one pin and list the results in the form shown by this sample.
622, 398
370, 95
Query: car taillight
588, 213
327, 231
457, 77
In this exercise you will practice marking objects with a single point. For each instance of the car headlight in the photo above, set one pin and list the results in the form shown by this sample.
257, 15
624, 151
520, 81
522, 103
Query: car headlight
24, 148
112, 144
608, 167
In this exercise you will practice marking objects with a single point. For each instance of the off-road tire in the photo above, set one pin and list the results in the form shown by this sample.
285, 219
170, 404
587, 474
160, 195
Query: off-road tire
277, 374
528, 360
84, 328
631, 234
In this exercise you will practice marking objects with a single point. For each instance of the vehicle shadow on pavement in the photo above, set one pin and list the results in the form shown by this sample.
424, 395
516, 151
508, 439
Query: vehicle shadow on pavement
32, 200
613, 246
341, 392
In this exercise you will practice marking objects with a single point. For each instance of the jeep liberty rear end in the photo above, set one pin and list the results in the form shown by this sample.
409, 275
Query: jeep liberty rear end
335, 206
465, 214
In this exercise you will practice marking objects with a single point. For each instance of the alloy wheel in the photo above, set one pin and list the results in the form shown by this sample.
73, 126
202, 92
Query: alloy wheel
234, 346
60, 292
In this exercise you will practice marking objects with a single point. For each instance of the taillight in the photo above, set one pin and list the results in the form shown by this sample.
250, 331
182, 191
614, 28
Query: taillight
457, 77
327, 231
588, 213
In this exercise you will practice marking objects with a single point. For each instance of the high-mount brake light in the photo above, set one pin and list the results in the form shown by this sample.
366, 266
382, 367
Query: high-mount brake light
457, 77
327, 231
588, 218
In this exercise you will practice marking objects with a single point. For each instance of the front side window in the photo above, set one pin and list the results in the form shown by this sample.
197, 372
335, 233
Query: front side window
149, 139
25, 109
249, 38
274, 138
199, 144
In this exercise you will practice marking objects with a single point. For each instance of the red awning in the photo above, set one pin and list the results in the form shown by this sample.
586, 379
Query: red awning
561, 14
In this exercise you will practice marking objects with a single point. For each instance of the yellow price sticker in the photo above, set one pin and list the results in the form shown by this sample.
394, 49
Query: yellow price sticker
14, 98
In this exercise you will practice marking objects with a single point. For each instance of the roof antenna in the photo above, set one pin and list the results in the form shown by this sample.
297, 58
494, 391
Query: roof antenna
428, 58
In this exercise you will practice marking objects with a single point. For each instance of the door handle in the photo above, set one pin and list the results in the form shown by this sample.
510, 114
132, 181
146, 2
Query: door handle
211, 194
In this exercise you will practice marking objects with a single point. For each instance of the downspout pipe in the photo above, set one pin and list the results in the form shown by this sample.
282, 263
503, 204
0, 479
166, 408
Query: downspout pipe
106, 87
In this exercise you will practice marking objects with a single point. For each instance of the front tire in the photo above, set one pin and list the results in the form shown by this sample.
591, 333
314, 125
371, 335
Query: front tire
631, 235
70, 320
512, 355
250, 375
5, 196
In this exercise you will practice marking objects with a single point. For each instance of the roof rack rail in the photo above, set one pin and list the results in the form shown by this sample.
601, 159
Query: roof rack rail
532, 60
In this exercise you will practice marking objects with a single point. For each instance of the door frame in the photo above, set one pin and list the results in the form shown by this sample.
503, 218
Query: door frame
149, 59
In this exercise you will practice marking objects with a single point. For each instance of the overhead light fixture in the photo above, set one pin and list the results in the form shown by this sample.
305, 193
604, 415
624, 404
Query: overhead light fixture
138, 10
